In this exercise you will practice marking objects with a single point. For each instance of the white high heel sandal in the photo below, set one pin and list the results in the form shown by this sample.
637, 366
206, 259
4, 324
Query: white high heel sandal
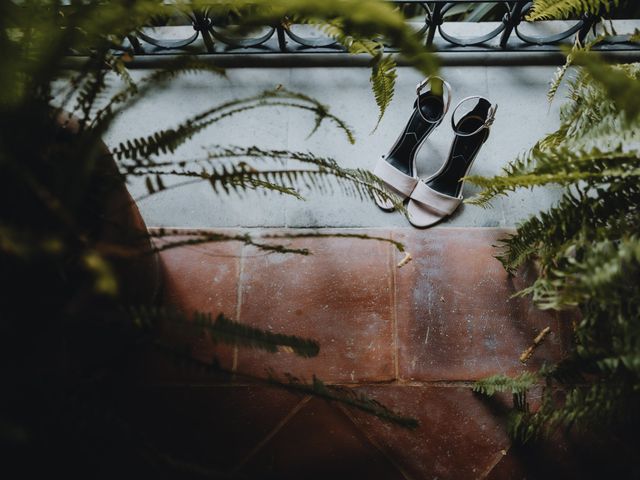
398, 168
439, 195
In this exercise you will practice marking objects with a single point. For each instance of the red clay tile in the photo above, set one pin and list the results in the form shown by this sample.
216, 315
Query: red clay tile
509, 467
456, 320
340, 296
212, 427
202, 277
199, 278
459, 436
320, 442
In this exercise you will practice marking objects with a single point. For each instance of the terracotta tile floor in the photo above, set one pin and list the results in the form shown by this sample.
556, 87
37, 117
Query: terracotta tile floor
413, 338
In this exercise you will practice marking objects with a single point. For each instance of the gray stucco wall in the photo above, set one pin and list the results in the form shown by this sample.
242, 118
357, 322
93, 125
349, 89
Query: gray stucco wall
524, 115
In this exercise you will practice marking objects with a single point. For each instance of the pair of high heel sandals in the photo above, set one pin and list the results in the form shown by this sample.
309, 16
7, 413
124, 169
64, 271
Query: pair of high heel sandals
433, 198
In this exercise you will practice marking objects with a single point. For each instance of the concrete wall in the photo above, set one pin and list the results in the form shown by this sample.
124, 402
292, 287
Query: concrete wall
524, 115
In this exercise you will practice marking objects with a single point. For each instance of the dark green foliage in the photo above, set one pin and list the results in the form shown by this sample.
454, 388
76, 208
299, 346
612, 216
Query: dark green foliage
618, 88
383, 67
167, 141
383, 81
588, 251
501, 383
229, 170
68, 236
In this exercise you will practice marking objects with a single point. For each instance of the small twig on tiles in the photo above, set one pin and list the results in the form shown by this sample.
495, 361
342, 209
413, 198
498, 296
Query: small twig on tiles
536, 342
407, 258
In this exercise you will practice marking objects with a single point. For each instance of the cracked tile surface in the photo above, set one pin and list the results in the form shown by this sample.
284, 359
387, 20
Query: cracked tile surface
411, 338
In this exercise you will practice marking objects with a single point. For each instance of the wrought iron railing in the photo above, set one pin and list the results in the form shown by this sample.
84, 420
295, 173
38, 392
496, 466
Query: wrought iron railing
199, 33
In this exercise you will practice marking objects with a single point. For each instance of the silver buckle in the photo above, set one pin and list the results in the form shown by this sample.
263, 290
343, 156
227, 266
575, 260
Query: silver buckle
446, 94
491, 116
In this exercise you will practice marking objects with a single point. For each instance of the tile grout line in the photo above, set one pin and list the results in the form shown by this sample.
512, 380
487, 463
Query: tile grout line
374, 443
383, 384
234, 364
394, 311
292, 413
508, 228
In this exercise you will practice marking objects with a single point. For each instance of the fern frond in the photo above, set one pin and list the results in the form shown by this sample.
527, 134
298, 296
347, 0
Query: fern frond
345, 396
134, 92
578, 219
203, 237
316, 388
241, 176
89, 92
383, 81
172, 238
622, 85
224, 330
561, 166
561, 71
501, 383
309, 103
353, 182
167, 141
604, 266
562, 9
383, 68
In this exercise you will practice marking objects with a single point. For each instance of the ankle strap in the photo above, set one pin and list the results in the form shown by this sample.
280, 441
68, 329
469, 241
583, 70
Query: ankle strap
491, 115
446, 90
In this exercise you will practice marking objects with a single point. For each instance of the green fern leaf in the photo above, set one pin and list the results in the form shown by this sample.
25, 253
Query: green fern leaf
383, 81
501, 383
562, 9
622, 88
